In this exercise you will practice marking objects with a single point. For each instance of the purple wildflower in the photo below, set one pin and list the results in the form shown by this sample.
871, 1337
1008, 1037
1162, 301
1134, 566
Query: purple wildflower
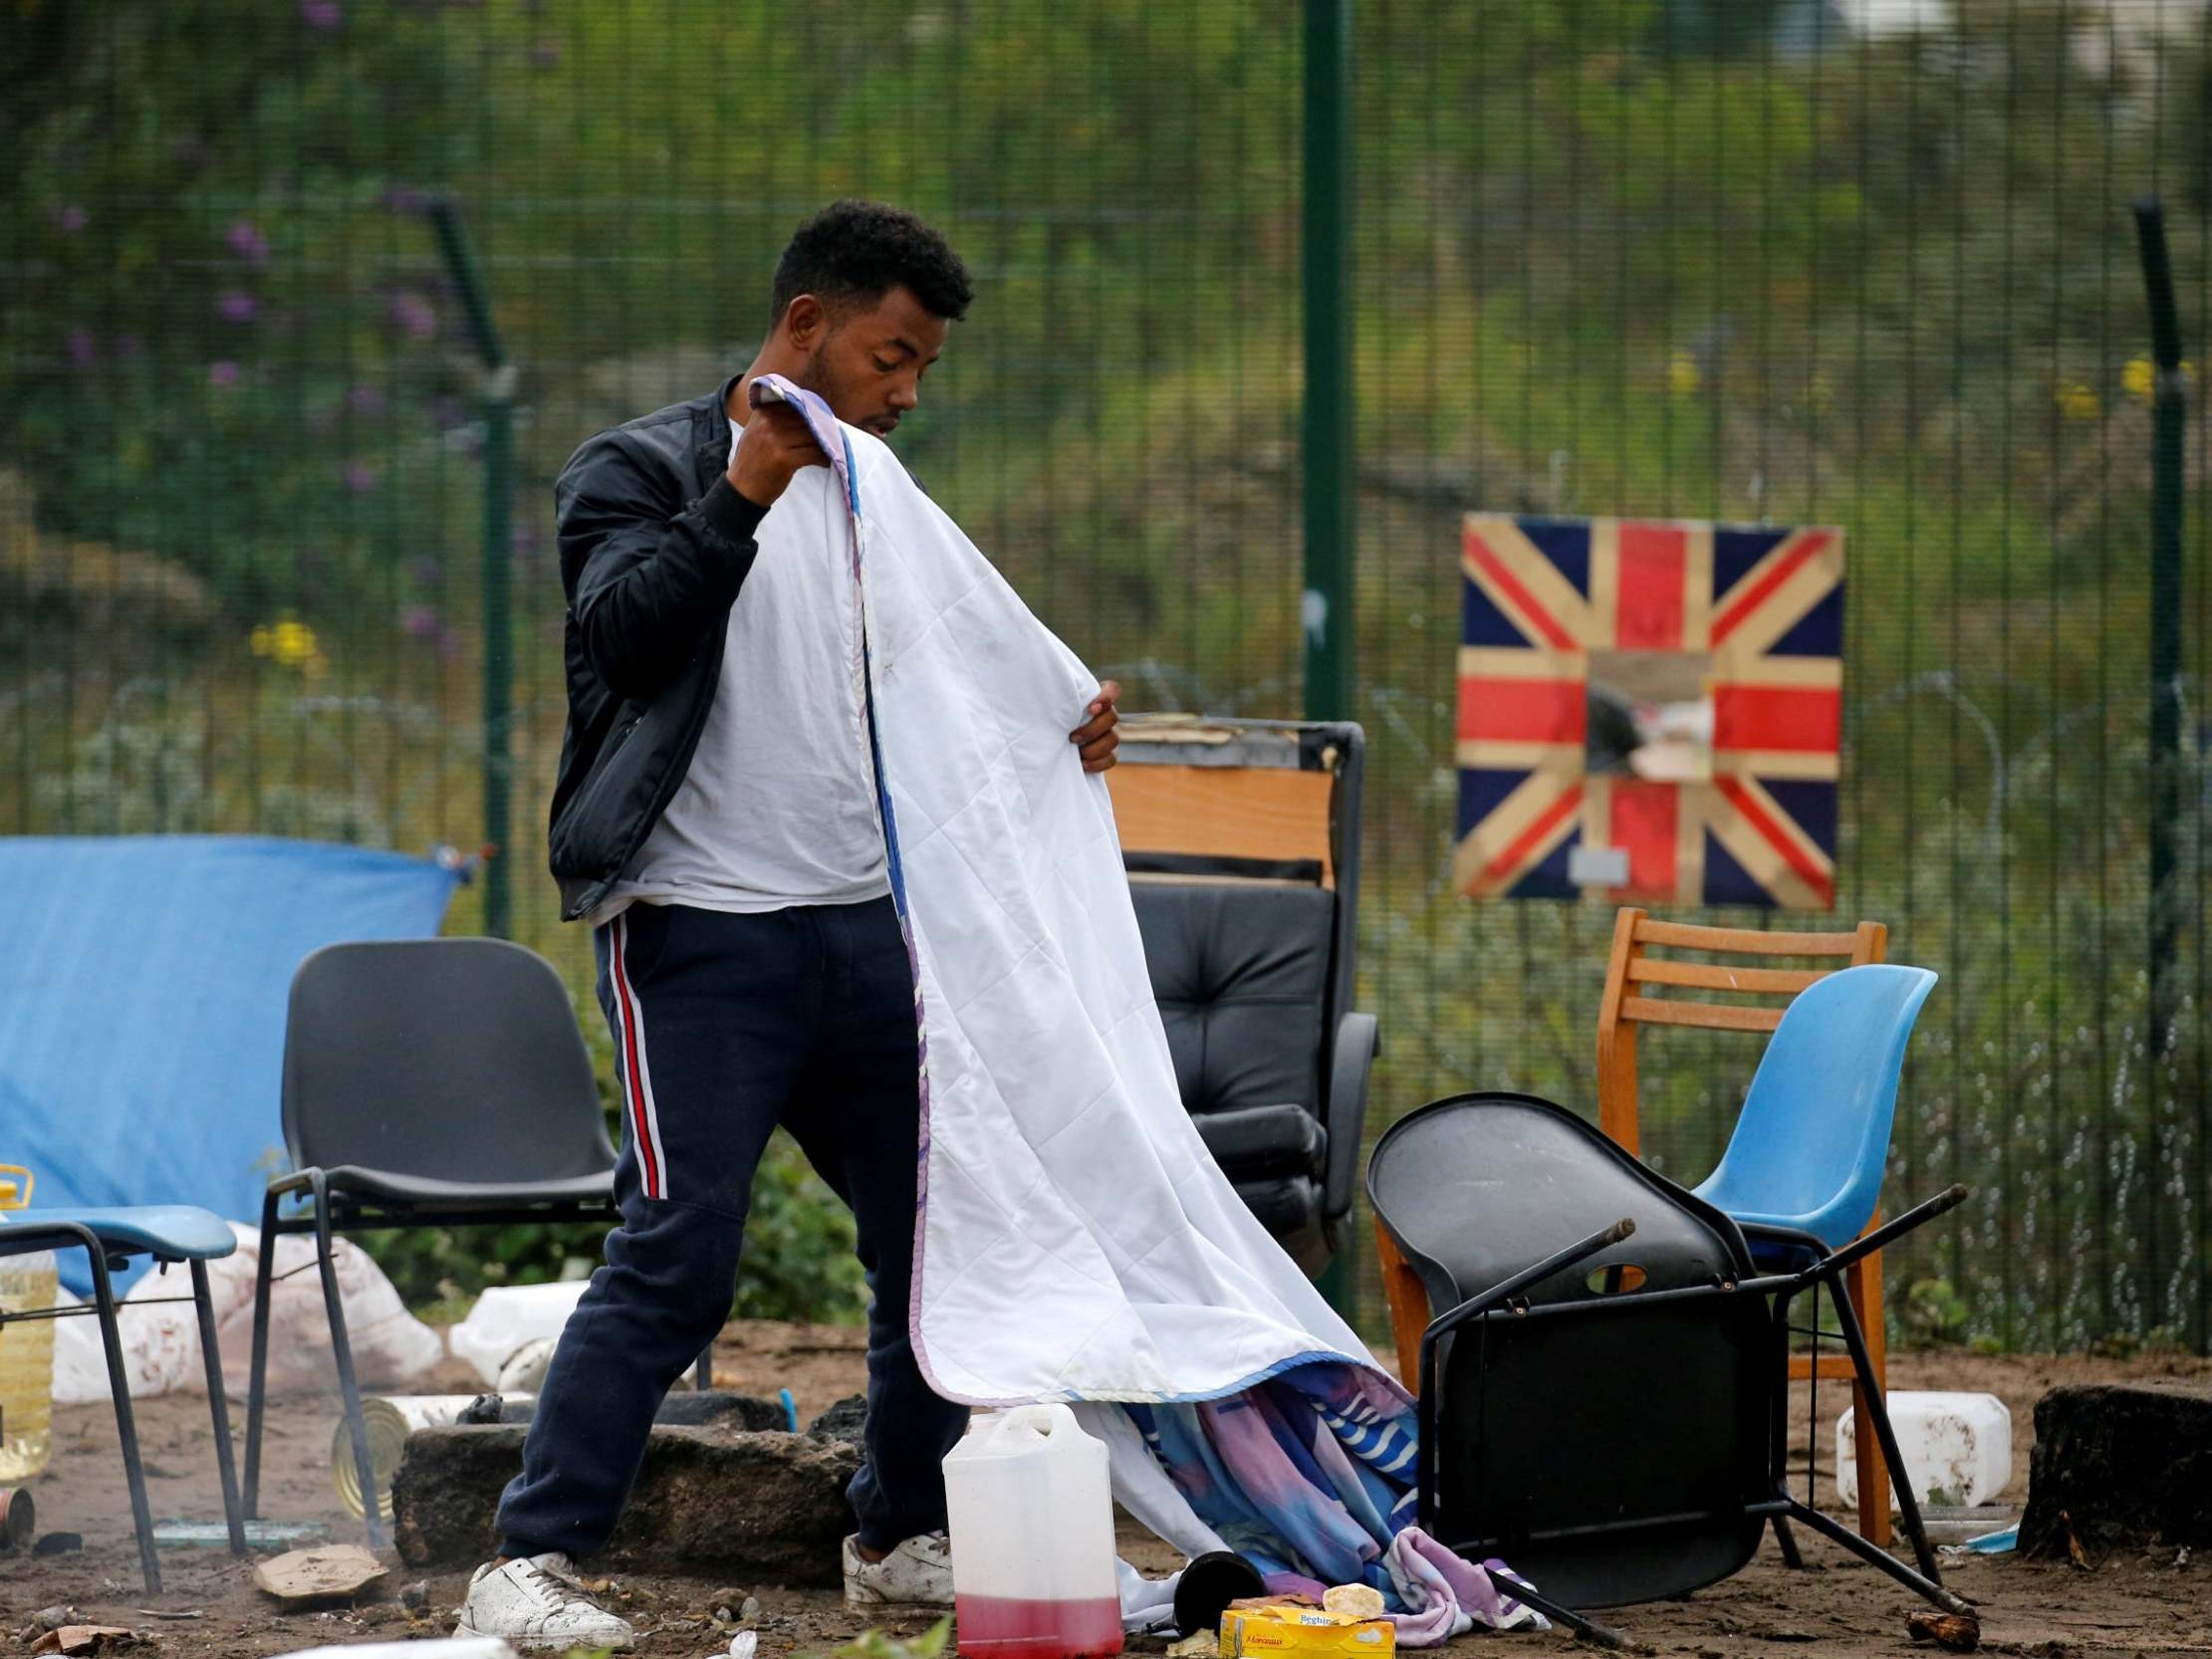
421, 622
412, 315
360, 477
82, 350
236, 305
427, 571
72, 218
247, 242
543, 54
222, 372
366, 400
405, 198
322, 14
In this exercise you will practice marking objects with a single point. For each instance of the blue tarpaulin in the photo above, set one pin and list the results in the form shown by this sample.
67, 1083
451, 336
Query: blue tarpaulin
142, 992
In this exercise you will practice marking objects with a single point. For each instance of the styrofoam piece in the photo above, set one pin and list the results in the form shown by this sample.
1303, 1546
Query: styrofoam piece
507, 1317
1957, 1447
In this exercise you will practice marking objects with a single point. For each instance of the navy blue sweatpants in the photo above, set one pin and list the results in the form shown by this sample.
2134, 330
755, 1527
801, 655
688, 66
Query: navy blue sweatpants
726, 1026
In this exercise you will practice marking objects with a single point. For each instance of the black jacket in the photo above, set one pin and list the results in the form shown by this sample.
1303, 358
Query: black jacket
655, 545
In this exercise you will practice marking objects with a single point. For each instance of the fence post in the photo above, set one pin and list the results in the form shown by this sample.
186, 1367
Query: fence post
498, 398
1331, 418
2166, 506
1326, 611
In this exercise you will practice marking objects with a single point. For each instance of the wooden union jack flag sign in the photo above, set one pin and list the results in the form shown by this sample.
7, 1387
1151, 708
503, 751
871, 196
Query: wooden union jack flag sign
1650, 711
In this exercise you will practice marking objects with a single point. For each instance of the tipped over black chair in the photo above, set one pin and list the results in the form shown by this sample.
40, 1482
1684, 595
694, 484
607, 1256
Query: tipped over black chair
428, 1082
1242, 843
1607, 1415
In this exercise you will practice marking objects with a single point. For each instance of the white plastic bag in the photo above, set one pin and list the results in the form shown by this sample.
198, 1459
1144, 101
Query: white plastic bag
160, 1338
508, 1317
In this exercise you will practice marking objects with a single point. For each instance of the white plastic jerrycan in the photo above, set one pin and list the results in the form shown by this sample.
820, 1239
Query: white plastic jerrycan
1031, 1522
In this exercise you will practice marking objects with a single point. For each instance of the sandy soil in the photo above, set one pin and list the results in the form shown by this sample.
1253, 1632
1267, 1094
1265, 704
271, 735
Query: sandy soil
2128, 1604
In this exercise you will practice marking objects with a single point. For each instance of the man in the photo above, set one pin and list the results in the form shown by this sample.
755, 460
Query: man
716, 818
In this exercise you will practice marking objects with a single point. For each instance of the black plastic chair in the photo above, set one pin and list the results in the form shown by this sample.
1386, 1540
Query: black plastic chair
1608, 1417
110, 1237
428, 1082
1242, 843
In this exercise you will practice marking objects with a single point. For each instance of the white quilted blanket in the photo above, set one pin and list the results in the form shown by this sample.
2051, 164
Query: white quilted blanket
1078, 1242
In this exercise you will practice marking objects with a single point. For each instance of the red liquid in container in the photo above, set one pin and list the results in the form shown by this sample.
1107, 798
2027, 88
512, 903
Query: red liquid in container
1005, 1627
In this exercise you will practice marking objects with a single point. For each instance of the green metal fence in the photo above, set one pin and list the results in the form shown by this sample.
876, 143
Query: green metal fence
1851, 263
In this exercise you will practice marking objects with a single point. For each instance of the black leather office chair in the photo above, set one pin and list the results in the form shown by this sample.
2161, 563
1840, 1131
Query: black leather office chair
1242, 841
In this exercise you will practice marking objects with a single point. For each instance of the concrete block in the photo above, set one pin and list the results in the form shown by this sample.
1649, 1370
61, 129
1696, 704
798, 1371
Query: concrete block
713, 1500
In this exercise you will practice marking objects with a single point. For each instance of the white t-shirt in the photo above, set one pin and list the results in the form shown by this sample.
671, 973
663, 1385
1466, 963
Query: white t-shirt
779, 805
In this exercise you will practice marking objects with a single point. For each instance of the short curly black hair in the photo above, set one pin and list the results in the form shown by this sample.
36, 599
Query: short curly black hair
859, 251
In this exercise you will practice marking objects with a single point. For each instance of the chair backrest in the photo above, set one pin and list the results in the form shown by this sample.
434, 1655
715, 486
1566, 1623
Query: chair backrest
1242, 843
1599, 1436
457, 1058
1240, 972
1814, 1133
1476, 1187
1633, 975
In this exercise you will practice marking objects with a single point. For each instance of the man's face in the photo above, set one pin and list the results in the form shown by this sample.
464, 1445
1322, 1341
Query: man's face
868, 364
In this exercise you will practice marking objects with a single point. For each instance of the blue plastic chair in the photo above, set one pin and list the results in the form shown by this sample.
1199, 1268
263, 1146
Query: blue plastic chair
1802, 1170
167, 1233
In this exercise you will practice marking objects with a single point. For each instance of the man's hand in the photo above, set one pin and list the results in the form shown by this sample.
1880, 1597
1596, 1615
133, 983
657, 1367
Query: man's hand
776, 443
1096, 739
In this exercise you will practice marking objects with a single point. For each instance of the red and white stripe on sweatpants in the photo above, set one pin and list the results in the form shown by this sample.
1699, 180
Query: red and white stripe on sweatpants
637, 1079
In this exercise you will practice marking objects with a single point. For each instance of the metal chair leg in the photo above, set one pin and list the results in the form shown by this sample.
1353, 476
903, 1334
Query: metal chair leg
1877, 1412
357, 1426
1589, 1630
127, 1428
218, 1408
258, 1377
1788, 1542
703, 1374
1874, 1557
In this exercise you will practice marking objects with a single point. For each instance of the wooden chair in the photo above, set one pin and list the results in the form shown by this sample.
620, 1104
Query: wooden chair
1628, 1004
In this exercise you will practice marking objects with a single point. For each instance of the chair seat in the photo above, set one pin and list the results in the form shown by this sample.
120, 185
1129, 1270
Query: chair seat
427, 1192
171, 1232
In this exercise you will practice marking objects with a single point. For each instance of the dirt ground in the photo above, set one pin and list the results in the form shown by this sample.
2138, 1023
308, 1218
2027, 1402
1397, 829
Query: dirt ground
2137, 1603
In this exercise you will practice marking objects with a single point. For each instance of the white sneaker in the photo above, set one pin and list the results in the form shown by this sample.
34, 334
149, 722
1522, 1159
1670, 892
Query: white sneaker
918, 1573
538, 1602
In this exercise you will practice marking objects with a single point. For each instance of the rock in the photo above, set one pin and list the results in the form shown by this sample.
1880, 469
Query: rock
304, 1578
847, 1420
1960, 1632
750, 1612
2119, 1463
711, 1499
416, 1597
54, 1617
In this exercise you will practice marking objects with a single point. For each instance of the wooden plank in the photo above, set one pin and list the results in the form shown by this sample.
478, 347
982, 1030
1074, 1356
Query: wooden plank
1652, 1011
1748, 940
1715, 976
1227, 811
1408, 1303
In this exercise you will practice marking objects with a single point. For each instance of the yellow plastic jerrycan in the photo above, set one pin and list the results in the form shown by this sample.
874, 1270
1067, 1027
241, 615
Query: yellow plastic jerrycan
27, 1285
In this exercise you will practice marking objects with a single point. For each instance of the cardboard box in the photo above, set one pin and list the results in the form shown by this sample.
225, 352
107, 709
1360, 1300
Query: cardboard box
1272, 1628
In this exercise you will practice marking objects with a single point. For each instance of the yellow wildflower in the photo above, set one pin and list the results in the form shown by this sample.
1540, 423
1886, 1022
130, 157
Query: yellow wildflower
1682, 378
2076, 401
